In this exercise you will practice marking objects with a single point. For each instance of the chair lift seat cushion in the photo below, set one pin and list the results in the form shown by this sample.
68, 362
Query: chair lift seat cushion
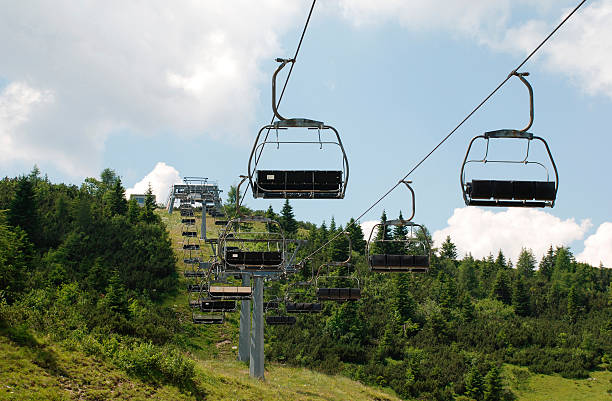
254, 258
217, 305
519, 190
298, 180
398, 262
339, 293
303, 307
278, 320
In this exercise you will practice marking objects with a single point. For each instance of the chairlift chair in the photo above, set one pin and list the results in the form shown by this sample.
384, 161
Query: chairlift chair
300, 300
327, 284
511, 193
411, 261
241, 250
295, 184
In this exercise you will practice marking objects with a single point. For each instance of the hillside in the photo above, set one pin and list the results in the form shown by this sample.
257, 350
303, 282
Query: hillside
40, 370
91, 289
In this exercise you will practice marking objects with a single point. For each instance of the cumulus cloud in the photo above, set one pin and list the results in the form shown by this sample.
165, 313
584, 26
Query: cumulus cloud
582, 49
367, 226
144, 67
160, 178
17, 102
598, 247
482, 232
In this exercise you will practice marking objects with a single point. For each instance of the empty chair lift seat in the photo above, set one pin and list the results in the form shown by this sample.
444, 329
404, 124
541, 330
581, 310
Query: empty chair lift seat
400, 263
192, 261
229, 291
255, 259
186, 213
190, 234
280, 320
339, 294
217, 305
188, 222
194, 287
510, 193
303, 307
191, 247
271, 305
325, 184
208, 319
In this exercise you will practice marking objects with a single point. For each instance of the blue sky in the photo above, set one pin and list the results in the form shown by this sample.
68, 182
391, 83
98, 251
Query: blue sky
128, 87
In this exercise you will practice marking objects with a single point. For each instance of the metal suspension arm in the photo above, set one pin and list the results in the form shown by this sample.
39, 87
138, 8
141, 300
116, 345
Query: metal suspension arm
521, 76
282, 62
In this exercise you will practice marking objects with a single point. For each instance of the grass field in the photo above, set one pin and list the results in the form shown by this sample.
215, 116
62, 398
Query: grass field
535, 387
46, 371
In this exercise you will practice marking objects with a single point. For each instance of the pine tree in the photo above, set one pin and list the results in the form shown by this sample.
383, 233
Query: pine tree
147, 214
501, 288
117, 202
520, 297
287, 220
23, 209
402, 299
573, 306
356, 234
467, 275
116, 297
399, 234
133, 212
380, 244
547, 264
493, 385
474, 384
500, 262
449, 250
563, 260
525, 265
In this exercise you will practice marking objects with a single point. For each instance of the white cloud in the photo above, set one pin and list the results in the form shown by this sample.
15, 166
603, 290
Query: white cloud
582, 49
467, 16
147, 67
482, 232
367, 226
598, 247
17, 102
160, 178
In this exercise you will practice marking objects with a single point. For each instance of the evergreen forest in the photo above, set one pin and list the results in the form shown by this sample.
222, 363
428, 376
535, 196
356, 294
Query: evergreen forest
91, 271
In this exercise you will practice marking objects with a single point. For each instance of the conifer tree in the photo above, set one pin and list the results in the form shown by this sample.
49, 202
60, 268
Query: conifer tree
116, 297
547, 264
147, 214
287, 220
402, 300
449, 250
474, 383
467, 275
271, 215
357, 237
22, 209
399, 234
573, 306
501, 288
117, 202
520, 297
383, 233
133, 212
500, 261
525, 264
493, 385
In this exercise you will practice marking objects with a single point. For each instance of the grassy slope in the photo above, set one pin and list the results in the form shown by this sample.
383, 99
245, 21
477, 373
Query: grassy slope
535, 387
44, 371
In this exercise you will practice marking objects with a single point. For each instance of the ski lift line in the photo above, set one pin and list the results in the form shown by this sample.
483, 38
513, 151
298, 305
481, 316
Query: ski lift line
297, 51
486, 99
